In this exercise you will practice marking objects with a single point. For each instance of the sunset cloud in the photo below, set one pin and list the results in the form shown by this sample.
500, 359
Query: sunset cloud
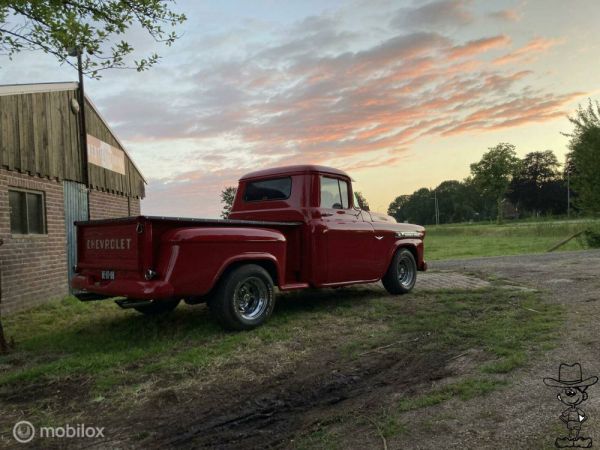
477, 46
437, 14
358, 86
508, 15
528, 52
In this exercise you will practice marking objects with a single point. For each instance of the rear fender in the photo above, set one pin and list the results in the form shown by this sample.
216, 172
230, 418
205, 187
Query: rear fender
194, 259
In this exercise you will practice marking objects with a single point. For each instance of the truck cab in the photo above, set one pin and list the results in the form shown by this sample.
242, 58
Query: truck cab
292, 227
343, 244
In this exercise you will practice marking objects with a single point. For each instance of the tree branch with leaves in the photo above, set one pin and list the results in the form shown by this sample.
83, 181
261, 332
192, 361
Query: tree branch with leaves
95, 27
227, 198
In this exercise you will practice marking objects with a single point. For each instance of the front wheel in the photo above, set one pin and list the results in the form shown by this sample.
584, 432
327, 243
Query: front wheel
244, 298
401, 276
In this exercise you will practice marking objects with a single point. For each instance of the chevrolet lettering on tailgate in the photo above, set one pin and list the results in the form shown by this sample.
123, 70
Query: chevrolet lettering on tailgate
109, 244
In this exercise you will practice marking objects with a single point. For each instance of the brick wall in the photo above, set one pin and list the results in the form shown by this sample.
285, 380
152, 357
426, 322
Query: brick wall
104, 205
33, 268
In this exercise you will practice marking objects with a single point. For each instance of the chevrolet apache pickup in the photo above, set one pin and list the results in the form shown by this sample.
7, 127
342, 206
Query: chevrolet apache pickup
292, 227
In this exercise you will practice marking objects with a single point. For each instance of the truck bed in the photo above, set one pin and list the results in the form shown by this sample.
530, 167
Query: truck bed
123, 250
191, 221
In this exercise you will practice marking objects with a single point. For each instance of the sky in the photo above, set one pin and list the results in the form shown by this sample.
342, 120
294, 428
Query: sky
400, 94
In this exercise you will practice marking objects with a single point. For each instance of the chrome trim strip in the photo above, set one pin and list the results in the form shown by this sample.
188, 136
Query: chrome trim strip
409, 234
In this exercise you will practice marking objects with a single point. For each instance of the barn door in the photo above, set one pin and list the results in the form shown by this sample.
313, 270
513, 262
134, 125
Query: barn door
76, 208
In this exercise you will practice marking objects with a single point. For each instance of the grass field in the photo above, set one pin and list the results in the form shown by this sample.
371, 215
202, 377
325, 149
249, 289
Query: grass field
114, 360
473, 240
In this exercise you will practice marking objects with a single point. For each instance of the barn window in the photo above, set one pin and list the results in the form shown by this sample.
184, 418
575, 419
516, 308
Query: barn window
27, 215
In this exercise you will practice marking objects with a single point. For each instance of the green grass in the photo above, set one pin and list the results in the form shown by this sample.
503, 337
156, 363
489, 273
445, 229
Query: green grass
115, 352
463, 390
473, 240
508, 327
98, 339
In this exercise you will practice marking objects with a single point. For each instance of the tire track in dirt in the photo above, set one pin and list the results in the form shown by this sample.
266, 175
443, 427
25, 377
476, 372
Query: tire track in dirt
269, 415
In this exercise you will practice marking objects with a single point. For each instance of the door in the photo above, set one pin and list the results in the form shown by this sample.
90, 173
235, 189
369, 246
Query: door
347, 237
76, 208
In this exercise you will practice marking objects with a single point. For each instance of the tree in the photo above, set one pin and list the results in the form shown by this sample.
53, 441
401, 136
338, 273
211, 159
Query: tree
56, 27
362, 201
396, 208
455, 202
537, 183
584, 156
494, 172
227, 198
483, 204
416, 208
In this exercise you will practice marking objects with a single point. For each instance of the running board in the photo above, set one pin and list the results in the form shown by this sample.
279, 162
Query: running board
292, 286
126, 303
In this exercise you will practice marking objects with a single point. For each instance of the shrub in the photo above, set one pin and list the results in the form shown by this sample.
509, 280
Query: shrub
591, 236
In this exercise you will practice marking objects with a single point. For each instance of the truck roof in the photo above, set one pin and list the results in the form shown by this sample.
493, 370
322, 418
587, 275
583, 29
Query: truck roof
289, 170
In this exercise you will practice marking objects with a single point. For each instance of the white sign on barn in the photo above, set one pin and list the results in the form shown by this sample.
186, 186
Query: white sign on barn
105, 155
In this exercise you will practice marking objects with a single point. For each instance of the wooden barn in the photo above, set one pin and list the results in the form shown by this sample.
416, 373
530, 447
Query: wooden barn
52, 174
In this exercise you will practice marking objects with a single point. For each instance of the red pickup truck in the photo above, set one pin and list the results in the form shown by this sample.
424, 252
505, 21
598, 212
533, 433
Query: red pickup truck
292, 227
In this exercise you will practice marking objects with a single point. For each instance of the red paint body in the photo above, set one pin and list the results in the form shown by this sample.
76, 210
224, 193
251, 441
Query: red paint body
300, 244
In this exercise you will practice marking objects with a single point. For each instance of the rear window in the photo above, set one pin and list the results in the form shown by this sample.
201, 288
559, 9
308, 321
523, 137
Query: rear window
274, 189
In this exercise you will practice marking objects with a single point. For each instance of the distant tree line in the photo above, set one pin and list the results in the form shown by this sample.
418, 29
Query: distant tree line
503, 185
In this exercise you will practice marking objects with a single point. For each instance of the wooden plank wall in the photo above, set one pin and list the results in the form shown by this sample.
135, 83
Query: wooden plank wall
106, 180
39, 135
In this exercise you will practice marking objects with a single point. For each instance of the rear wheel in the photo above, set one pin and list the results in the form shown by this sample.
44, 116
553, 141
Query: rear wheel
157, 307
244, 298
401, 276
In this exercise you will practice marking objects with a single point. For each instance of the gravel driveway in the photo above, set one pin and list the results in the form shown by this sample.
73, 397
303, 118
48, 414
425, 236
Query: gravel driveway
526, 415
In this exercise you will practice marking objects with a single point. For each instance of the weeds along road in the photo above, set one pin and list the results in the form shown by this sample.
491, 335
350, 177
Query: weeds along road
457, 364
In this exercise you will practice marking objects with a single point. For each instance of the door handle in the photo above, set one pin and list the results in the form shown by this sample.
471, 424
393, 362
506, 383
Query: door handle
326, 214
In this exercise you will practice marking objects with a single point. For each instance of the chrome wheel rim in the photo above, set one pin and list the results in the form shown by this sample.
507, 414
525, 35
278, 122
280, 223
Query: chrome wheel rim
251, 298
406, 272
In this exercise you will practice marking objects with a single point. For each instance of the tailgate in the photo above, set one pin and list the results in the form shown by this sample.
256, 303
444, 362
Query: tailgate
109, 245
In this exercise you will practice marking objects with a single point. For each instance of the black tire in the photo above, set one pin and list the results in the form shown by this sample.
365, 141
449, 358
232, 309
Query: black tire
157, 307
401, 276
244, 298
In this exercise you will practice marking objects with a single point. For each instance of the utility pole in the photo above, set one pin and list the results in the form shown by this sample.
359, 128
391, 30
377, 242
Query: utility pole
76, 51
568, 192
437, 209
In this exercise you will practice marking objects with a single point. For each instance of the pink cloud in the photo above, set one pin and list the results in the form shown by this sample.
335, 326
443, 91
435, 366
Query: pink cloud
507, 15
477, 46
304, 100
529, 51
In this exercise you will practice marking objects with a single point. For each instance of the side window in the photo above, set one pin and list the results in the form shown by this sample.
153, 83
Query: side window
27, 215
334, 193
